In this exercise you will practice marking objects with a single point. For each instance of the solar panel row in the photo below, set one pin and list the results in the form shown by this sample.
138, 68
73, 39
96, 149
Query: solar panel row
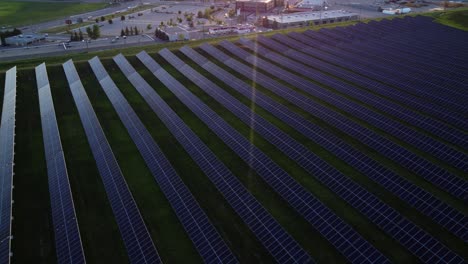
322, 61
415, 196
206, 239
298, 197
355, 195
7, 152
415, 119
274, 238
390, 67
68, 244
432, 54
405, 62
136, 238
412, 137
442, 178
371, 71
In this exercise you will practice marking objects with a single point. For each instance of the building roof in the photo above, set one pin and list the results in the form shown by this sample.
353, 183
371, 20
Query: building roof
259, 1
23, 39
308, 16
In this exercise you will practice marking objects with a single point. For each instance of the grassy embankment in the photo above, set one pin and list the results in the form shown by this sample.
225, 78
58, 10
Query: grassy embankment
20, 13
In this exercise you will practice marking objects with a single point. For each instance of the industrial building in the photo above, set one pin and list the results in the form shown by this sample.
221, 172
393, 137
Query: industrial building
23, 40
176, 33
260, 6
306, 18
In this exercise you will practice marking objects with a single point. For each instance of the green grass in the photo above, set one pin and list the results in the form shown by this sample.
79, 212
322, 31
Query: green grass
19, 13
457, 18
67, 28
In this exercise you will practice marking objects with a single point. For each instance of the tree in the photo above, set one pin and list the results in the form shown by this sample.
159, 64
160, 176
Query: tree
80, 35
200, 14
89, 31
71, 37
96, 31
131, 31
136, 30
122, 18
171, 23
162, 24
122, 33
179, 12
96, 20
110, 21
75, 37
103, 18
127, 32
149, 27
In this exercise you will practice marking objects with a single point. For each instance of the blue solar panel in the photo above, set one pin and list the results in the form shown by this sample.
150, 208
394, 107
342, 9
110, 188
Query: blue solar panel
199, 228
412, 82
405, 86
274, 238
412, 137
381, 214
66, 231
7, 151
136, 238
297, 196
323, 61
430, 125
438, 176
415, 196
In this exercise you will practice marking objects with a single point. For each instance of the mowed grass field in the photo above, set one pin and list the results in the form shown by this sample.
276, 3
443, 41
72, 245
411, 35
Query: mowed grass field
34, 241
20, 13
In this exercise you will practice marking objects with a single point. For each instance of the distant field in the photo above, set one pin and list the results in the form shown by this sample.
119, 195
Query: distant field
457, 19
13, 13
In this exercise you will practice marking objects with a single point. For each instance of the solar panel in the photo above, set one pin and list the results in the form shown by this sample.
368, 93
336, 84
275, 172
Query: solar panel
136, 238
206, 239
321, 60
7, 152
430, 125
440, 177
406, 78
68, 244
368, 72
273, 237
395, 128
297, 196
442, 213
361, 199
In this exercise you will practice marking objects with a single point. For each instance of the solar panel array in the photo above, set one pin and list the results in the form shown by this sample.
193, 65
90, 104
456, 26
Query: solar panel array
427, 170
448, 217
322, 218
442, 213
206, 239
378, 212
319, 60
362, 96
429, 145
430, 125
68, 244
7, 152
273, 237
136, 238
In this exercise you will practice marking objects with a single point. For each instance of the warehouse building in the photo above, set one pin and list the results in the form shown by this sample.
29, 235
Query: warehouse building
261, 6
23, 40
308, 18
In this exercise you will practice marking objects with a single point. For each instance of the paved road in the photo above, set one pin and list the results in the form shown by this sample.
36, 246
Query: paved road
10, 54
